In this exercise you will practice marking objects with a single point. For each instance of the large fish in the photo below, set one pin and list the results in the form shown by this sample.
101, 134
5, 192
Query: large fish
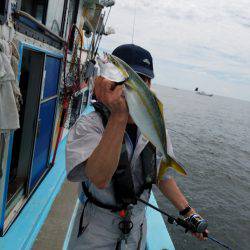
144, 107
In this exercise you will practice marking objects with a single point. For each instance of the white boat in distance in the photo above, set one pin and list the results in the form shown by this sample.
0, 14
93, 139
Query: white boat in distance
202, 92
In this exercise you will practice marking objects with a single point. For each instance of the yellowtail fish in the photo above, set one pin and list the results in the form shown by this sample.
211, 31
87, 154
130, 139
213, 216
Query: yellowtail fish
144, 107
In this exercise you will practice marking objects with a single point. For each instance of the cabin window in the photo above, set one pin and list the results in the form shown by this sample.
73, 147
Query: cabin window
36, 8
56, 20
72, 19
3, 10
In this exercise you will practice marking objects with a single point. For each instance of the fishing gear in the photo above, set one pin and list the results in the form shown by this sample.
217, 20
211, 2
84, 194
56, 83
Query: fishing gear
100, 37
194, 223
125, 227
71, 80
91, 50
199, 224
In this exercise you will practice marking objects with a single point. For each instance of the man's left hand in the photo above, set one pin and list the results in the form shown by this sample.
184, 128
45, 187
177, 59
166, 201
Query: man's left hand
200, 235
197, 235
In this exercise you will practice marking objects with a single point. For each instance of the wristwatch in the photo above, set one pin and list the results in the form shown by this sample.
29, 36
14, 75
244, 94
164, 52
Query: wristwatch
185, 211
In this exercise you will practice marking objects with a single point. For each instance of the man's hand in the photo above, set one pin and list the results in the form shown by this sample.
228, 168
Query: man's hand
102, 163
197, 235
170, 189
111, 96
200, 235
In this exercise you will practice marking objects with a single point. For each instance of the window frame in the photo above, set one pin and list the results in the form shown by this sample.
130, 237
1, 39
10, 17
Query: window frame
44, 18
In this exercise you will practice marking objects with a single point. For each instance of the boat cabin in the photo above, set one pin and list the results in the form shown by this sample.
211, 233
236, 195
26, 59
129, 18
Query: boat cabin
38, 30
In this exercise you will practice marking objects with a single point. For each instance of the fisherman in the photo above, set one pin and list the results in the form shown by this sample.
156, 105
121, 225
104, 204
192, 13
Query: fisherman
115, 163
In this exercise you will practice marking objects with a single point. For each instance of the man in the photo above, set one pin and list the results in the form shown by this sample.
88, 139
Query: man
111, 158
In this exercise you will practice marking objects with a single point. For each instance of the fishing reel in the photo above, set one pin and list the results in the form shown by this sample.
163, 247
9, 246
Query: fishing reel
196, 223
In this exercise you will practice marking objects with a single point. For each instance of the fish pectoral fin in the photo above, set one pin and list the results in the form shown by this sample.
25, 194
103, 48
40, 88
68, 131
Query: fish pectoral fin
172, 163
159, 103
177, 166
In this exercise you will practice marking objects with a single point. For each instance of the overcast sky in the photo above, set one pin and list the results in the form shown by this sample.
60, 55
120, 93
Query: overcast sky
194, 43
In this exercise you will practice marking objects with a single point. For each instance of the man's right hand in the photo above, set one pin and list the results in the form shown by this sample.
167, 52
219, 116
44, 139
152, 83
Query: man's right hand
111, 95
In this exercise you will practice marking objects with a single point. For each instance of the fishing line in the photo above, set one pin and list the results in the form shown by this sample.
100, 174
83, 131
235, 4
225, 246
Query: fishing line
133, 33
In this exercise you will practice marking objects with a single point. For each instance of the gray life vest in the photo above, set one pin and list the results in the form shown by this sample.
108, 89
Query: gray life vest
122, 179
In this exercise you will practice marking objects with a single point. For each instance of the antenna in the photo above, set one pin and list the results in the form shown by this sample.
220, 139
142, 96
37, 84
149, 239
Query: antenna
134, 24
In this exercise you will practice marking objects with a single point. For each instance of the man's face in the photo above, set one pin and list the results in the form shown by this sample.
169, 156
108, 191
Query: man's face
146, 79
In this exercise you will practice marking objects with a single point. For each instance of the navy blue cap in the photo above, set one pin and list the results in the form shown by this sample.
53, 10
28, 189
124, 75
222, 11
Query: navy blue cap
139, 59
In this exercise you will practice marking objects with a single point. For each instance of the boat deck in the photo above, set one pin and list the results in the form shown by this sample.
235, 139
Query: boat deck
55, 228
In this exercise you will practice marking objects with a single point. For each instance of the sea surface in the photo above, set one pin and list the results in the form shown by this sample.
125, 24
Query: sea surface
211, 137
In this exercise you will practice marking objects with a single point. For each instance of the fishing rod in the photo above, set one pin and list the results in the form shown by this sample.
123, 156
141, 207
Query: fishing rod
100, 37
194, 224
90, 62
91, 50
70, 86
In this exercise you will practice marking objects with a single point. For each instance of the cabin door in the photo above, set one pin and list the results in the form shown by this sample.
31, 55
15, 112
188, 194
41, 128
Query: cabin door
31, 144
45, 124
31, 76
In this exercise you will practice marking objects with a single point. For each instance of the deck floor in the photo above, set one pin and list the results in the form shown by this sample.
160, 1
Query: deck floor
54, 229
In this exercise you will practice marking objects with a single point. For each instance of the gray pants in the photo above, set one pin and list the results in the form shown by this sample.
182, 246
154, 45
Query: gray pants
101, 230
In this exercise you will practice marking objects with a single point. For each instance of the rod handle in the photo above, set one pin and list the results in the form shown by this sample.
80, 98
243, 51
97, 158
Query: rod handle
185, 224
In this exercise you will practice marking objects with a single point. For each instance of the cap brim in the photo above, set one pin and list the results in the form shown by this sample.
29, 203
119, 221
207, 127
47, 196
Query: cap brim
141, 70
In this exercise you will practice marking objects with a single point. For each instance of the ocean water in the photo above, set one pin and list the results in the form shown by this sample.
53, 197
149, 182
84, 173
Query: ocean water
211, 137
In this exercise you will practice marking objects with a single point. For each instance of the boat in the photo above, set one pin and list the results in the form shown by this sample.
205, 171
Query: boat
202, 93
53, 43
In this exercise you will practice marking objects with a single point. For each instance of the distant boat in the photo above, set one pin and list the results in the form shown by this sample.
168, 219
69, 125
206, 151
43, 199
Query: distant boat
202, 92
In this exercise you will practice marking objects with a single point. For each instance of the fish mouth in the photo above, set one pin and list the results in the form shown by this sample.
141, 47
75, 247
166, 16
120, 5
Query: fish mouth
121, 82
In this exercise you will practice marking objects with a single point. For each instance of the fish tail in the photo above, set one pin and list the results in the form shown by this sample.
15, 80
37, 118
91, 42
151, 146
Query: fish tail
170, 163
